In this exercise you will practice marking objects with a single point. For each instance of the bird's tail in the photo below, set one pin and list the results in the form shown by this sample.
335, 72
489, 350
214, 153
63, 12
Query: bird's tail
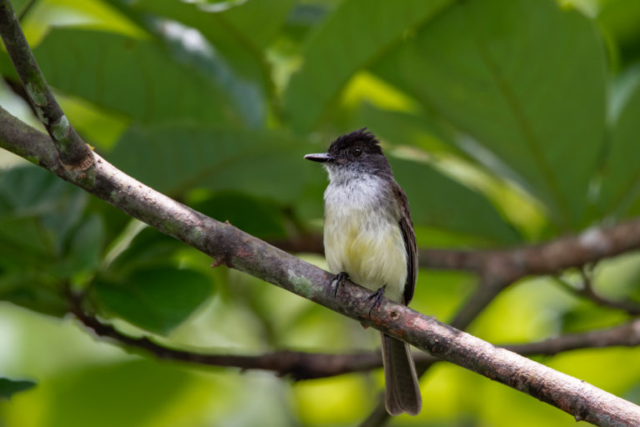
402, 393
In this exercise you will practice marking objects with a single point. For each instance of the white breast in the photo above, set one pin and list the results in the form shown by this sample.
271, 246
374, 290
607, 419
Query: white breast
362, 236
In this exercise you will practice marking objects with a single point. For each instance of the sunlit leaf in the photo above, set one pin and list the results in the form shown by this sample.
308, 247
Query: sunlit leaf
354, 35
526, 79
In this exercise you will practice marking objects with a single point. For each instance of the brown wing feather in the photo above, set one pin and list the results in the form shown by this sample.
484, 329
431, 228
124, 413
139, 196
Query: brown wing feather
406, 225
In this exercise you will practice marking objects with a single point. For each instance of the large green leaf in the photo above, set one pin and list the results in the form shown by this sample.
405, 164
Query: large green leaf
420, 130
253, 24
177, 158
439, 202
524, 78
9, 387
138, 78
621, 174
358, 32
155, 299
237, 35
44, 241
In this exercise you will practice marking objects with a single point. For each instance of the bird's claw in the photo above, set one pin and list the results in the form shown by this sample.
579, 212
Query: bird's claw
377, 297
338, 282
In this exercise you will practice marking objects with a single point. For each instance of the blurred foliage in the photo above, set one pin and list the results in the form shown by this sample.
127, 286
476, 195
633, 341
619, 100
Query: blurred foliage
507, 122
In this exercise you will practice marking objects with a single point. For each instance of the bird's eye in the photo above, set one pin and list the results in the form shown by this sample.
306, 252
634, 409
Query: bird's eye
357, 152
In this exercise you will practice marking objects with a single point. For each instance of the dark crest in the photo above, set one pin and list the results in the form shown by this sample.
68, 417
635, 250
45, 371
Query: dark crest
361, 137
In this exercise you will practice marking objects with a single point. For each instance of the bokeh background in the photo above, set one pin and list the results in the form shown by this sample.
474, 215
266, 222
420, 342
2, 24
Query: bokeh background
507, 122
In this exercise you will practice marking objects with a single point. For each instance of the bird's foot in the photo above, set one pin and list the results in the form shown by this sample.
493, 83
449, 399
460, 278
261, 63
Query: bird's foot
377, 297
338, 282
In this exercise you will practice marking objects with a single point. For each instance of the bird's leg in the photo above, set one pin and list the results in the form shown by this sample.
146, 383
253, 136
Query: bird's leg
338, 282
377, 299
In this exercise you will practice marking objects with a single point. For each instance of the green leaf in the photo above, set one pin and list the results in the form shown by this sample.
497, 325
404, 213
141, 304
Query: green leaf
350, 38
38, 210
420, 130
138, 78
440, 202
258, 20
157, 299
33, 288
524, 78
148, 249
85, 250
178, 158
259, 218
621, 175
235, 59
9, 387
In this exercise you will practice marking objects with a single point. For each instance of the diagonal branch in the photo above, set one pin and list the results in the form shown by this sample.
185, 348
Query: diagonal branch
74, 153
239, 250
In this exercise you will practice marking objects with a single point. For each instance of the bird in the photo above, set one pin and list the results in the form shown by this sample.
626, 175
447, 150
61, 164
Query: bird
369, 239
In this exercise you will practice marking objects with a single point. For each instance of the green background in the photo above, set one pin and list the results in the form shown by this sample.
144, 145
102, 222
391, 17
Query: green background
507, 122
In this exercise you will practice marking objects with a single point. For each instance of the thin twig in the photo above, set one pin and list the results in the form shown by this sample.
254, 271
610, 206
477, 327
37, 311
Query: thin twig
74, 153
587, 291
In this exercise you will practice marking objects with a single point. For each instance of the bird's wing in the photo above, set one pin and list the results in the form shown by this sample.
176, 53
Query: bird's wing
409, 236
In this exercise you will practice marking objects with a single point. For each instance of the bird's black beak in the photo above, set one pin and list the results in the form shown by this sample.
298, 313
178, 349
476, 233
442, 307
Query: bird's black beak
320, 157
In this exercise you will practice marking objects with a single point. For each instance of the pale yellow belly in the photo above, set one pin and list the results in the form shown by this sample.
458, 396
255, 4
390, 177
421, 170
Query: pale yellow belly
368, 247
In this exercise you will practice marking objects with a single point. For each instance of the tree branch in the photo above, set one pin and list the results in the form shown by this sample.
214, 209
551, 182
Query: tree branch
306, 366
512, 264
587, 291
246, 253
74, 153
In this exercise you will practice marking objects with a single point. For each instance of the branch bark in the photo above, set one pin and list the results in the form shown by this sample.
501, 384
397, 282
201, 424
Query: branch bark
246, 253
511, 264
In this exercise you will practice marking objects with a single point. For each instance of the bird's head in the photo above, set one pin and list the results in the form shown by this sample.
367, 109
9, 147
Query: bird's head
355, 153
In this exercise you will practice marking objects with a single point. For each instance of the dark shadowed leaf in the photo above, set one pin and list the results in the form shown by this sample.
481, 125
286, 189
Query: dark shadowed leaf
526, 79
148, 249
259, 218
354, 35
37, 209
440, 202
178, 158
9, 387
157, 299
619, 20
